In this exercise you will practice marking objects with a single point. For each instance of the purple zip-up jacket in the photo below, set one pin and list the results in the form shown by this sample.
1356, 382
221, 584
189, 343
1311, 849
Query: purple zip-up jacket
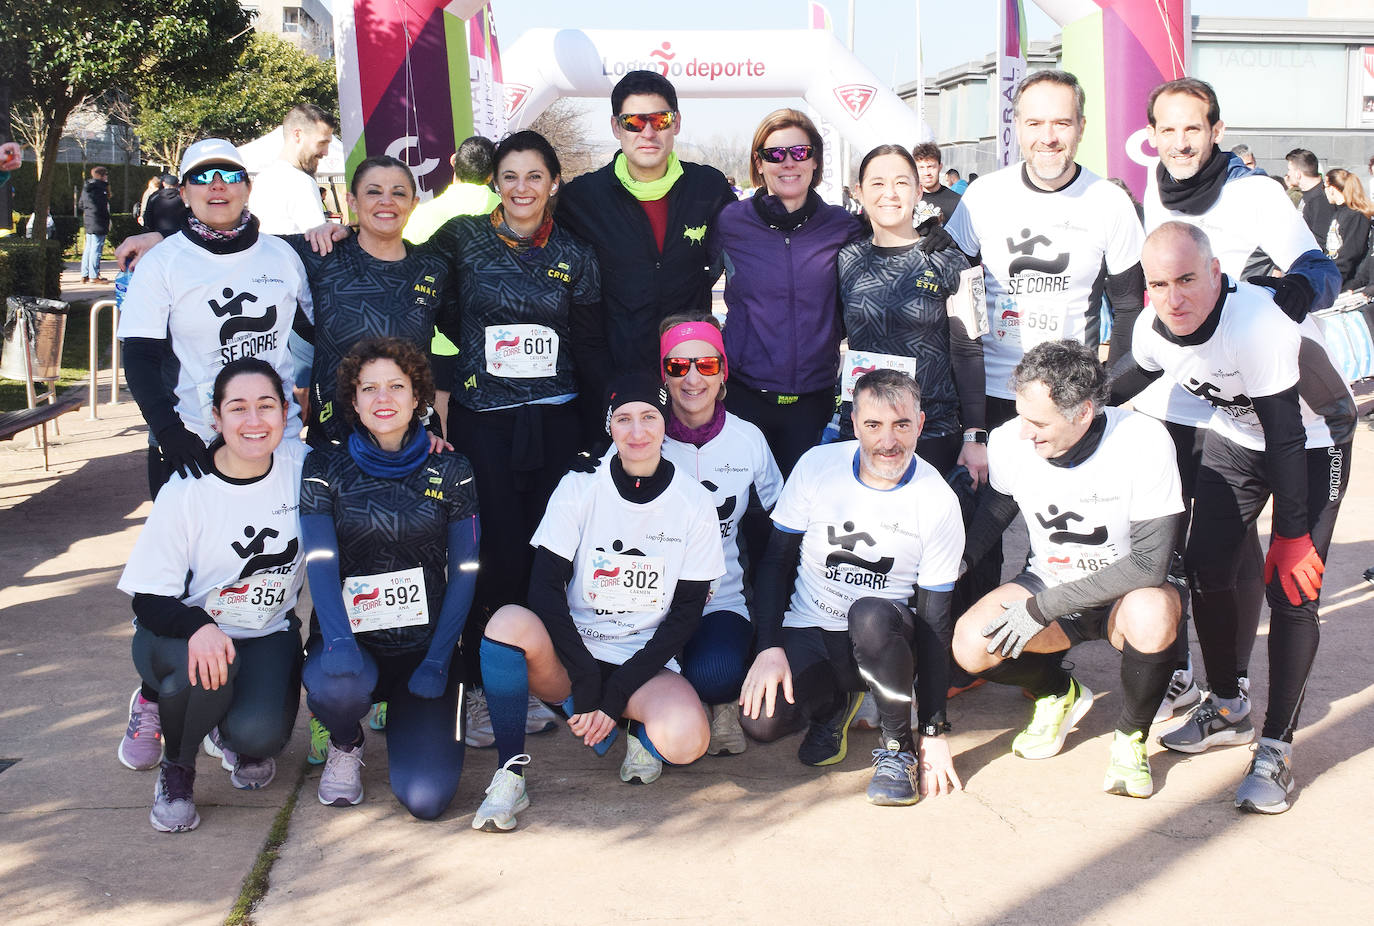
784, 325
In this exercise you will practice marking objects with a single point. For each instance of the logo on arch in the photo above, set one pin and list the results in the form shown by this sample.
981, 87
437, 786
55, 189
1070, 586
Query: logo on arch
514, 97
665, 54
855, 98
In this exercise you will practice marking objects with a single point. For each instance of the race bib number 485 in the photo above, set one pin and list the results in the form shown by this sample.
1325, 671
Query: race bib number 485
386, 601
624, 582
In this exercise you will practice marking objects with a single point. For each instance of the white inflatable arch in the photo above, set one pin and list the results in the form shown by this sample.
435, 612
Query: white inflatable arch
545, 64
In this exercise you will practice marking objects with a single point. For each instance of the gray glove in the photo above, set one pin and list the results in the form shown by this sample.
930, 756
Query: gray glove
1012, 629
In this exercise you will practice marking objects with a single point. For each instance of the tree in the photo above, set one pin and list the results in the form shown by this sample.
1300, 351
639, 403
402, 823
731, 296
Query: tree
270, 77
565, 126
55, 52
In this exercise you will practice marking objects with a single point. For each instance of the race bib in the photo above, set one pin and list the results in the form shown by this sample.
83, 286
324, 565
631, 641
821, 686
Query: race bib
386, 601
624, 582
250, 603
1042, 323
1006, 321
856, 363
521, 351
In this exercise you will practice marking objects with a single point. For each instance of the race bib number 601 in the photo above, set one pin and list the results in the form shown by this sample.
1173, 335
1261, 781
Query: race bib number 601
521, 351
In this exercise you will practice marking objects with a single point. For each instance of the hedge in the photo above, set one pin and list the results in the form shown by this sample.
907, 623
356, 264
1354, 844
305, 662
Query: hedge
68, 177
25, 272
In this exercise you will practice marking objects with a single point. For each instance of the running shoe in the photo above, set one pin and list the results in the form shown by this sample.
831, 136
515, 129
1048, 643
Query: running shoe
505, 798
1269, 780
727, 736
1053, 718
341, 782
1207, 725
376, 717
1128, 772
639, 763
867, 716
1182, 692
1369, 573
215, 749
894, 782
252, 774
478, 733
174, 803
538, 718
141, 747
826, 742
319, 742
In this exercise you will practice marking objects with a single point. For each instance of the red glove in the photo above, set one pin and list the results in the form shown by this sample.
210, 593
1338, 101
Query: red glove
1298, 567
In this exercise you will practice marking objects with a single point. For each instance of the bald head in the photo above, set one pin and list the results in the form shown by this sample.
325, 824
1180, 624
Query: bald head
1181, 276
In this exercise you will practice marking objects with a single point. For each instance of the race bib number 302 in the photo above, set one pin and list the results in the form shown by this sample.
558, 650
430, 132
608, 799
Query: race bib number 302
386, 601
624, 582
521, 351
250, 603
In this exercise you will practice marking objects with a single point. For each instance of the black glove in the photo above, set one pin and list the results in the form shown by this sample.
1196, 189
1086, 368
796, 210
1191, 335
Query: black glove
1293, 294
934, 237
183, 451
586, 461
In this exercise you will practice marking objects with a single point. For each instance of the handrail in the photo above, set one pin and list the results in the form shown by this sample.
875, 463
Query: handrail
114, 353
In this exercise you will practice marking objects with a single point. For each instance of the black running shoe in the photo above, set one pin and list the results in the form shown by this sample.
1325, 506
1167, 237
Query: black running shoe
827, 741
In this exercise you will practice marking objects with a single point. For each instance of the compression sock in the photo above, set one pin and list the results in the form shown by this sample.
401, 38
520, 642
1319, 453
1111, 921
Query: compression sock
1144, 680
638, 731
1041, 674
506, 681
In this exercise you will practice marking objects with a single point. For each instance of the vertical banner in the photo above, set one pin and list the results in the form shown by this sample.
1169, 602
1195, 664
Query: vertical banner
484, 75
832, 179
399, 63
1366, 85
1011, 68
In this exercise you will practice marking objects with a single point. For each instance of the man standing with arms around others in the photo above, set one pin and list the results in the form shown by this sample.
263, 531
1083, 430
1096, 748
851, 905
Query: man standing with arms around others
1254, 228
1099, 492
1283, 426
854, 592
646, 214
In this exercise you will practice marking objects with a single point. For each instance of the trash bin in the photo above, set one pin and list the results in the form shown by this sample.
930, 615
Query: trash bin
46, 324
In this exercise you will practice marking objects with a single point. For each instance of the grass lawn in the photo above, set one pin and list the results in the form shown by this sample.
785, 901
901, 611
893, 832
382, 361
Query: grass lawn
75, 356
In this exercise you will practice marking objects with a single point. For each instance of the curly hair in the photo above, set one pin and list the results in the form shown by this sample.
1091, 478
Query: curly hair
1070, 371
403, 353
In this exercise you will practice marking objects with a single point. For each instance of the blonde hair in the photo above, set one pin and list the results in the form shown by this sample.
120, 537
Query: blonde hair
785, 119
1352, 189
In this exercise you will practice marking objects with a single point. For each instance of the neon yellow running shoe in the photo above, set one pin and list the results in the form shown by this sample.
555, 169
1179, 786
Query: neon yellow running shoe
1054, 717
319, 742
376, 718
1128, 773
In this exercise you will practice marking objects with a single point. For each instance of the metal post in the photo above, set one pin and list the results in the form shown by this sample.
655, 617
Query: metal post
93, 358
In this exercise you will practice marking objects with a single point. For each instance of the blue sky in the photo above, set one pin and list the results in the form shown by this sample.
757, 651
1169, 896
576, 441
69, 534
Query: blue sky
884, 34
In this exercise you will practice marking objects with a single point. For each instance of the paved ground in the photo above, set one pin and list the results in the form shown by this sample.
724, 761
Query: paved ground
753, 838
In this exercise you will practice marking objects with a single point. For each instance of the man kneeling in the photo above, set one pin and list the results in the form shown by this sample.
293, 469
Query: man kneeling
1099, 489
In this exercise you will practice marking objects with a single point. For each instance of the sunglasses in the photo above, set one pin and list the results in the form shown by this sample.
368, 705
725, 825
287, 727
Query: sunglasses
778, 155
677, 367
635, 122
207, 177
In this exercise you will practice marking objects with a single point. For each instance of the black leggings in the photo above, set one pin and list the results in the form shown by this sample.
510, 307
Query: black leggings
254, 711
1232, 488
1188, 443
791, 424
518, 456
424, 751
824, 673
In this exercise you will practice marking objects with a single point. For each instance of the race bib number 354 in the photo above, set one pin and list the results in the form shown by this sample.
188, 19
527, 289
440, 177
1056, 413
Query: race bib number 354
250, 603
386, 601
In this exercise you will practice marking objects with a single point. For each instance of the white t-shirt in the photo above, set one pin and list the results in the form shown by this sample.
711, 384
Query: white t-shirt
727, 465
1079, 518
285, 199
862, 542
628, 554
1043, 256
226, 546
1256, 350
216, 308
1251, 213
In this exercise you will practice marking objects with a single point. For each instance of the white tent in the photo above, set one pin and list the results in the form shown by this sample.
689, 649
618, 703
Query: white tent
260, 151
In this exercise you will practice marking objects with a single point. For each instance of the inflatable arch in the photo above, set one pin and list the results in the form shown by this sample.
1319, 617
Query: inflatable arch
545, 64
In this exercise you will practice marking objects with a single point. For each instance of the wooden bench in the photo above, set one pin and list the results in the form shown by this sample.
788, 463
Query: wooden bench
13, 423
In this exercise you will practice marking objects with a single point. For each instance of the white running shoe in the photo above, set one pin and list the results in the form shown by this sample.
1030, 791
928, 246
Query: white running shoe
478, 733
538, 719
341, 782
1182, 692
639, 763
505, 798
727, 736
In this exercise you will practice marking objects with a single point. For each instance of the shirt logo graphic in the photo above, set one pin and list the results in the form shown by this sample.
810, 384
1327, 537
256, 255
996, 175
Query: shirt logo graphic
1058, 523
255, 551
694, 235
846, 555
1057, 264
237, 322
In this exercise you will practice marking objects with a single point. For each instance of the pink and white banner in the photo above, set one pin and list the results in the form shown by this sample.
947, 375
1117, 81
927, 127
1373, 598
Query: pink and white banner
1011, 68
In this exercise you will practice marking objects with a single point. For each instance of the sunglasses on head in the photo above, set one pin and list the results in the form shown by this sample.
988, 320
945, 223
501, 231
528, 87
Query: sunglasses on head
207, 177
778, 155
635, 122
677, 367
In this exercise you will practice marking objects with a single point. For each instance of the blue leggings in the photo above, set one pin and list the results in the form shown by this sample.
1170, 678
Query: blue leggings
716, 658
423, 751
254, 711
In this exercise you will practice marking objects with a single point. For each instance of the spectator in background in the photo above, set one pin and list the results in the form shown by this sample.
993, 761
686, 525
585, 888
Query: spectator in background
954, 183
1247, 157
1347, 237
927, 156
95, 215
165, 211
154, 184
52, 226
1304, 175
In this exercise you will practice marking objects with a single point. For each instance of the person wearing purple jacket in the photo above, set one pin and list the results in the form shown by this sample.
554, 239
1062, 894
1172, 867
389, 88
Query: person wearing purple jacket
783, 329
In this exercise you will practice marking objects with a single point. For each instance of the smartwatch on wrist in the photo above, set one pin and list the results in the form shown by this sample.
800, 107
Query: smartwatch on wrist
976, 436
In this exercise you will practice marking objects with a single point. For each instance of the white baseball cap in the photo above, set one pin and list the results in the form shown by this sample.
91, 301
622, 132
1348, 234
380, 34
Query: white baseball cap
210, 151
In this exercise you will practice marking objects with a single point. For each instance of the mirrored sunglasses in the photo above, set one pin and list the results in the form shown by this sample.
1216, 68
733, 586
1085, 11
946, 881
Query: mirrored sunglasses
635, 122
207, 177
799, 153
678, 366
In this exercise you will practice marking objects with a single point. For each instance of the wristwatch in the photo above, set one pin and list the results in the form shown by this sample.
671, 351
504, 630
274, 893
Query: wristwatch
934, 729
978, 436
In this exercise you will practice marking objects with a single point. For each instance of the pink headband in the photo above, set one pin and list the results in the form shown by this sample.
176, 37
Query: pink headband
693, 331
